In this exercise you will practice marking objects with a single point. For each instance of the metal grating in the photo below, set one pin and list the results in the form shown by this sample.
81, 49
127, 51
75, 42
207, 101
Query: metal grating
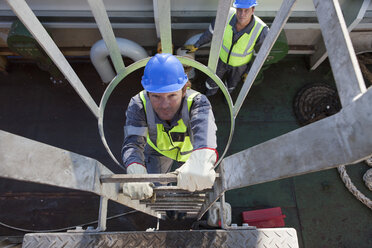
259, 238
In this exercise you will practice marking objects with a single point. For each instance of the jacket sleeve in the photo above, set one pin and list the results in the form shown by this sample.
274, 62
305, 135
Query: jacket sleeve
206, 36
135, 133
202, 122
261, 38
258, 45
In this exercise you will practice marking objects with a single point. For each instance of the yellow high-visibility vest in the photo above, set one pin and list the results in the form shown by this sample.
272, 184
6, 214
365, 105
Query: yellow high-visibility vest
176, 143
241, 52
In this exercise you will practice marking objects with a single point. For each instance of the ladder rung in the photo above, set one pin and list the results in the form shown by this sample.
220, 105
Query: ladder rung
180, 208
170, 200
128, 178
175, 189
189, 214
175, 204
178, 197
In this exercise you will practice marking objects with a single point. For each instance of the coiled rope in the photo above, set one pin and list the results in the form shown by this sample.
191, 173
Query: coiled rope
351, 187
368, 179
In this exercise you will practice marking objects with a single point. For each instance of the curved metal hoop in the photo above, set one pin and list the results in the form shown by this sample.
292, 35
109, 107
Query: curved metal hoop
141, 63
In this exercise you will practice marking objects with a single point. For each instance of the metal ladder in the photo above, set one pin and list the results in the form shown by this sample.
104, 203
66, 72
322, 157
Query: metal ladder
165, 197
236, 170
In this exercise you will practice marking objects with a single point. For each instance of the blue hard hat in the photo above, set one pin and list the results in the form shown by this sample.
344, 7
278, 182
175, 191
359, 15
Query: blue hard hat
244, 4
163, 73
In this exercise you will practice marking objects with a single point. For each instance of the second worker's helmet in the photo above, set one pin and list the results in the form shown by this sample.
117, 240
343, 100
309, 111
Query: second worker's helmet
244, 4
163, 73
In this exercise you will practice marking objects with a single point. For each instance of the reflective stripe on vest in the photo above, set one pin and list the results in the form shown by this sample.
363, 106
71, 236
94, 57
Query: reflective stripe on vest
242, 51
177, 142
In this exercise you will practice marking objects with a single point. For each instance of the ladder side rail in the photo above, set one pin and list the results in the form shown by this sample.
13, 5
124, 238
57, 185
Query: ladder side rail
28, 18
222, 17
354, 12
102, 214
349, 80
31, 161
218, 191
105, 28
162, 11
156, 17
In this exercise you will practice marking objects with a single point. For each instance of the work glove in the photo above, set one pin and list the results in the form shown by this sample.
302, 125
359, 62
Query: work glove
197, 173
244, 77
190, 48
137, 191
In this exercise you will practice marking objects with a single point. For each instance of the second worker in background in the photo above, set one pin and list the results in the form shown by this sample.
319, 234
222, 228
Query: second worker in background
244, 34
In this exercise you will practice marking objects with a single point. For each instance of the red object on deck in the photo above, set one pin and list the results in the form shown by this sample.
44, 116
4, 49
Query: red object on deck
264, 218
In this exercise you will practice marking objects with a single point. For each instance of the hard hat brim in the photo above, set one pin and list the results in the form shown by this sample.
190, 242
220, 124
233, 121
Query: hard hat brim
242, 6
165, 88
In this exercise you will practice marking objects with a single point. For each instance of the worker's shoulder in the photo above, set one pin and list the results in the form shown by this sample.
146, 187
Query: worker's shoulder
200, 100
136, 99
135, 103
259, 20
232, 12
193, 93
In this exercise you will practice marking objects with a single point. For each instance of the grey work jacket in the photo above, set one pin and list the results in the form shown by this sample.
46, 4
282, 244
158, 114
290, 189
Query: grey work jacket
201, 120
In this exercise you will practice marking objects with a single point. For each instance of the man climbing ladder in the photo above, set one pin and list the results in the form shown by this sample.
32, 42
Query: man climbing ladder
168, 122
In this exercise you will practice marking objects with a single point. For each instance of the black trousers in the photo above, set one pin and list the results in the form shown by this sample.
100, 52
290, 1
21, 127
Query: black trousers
230, 75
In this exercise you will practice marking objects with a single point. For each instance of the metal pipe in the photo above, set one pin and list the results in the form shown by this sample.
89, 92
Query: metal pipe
99, 56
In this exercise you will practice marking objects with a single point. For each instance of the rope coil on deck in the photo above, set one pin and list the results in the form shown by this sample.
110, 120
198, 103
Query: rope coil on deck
351, 187
314, 102
368, 179
368, 175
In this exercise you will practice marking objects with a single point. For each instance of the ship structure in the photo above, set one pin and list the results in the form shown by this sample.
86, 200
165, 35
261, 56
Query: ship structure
294, 138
